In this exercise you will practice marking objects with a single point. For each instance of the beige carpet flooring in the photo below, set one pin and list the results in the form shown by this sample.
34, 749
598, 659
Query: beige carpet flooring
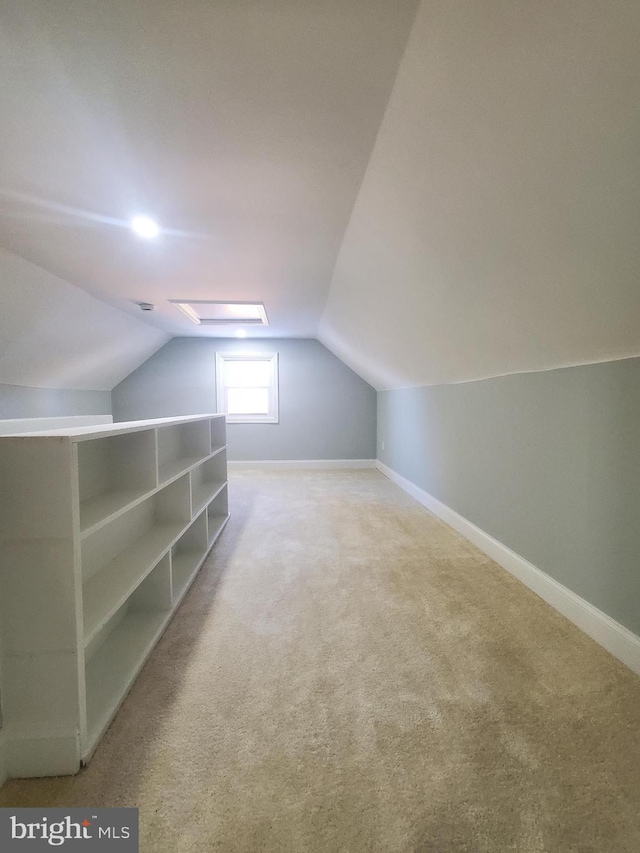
349, 674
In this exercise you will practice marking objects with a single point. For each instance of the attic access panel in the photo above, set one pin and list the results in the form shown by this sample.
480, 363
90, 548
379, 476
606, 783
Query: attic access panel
204, 312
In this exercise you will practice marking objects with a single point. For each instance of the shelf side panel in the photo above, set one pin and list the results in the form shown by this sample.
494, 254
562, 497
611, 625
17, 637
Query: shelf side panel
39, 614
36, 499
38, 596
41, 692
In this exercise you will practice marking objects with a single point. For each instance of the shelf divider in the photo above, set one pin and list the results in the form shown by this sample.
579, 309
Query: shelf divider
187, 555
111, 671
114, 472
180, 446
106, 591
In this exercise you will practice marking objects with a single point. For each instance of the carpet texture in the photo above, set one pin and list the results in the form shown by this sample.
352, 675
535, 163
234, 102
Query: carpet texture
349, 674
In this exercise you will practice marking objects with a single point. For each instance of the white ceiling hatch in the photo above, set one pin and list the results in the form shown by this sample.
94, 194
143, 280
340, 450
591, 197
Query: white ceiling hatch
204, 313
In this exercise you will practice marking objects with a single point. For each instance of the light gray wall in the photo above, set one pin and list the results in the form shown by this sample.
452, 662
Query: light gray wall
19, 401
326, 410
548, 463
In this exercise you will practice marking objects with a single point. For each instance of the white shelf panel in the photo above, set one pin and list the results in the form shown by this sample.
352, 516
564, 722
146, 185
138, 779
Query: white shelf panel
218, 432
187, 556
181, 446
216, 526
217, 515
104, 508
107, 590
108, 429
113, 473
178, 466
184, 568
114, 667
204, 493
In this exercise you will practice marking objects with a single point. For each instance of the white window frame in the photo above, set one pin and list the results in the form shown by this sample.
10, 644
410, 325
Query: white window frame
273, 414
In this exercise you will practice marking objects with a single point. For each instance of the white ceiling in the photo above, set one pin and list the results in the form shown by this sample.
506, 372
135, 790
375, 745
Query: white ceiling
497, 228
466, 208
244, 127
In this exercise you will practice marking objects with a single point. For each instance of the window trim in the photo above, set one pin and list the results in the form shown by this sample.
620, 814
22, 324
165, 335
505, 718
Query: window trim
273, 414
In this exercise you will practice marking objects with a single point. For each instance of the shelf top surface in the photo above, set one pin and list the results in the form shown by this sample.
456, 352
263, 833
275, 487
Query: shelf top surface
106, 430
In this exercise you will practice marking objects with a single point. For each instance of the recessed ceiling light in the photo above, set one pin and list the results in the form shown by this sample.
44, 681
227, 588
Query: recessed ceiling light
241, 333
145, 227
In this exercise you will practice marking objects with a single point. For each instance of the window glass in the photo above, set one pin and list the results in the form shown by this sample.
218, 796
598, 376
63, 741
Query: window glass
247, 401
247, 374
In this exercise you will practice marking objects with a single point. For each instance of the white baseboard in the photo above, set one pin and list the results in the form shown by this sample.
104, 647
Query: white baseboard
302, 464
611, 635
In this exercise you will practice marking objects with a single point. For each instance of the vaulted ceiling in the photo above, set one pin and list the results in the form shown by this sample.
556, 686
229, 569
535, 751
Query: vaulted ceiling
243, 127
438, 194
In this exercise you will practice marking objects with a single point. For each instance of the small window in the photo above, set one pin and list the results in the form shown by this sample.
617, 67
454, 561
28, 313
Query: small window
247, 387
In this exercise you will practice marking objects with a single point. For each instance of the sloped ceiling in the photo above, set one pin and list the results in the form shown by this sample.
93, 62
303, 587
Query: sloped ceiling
493, 229
244, 127
54, 335
498, 225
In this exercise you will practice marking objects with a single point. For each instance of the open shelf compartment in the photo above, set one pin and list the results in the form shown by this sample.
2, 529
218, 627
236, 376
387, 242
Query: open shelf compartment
118, 556
207, 479
118, 652
217, 516
112, 473
180, 446
218, 433
187, 555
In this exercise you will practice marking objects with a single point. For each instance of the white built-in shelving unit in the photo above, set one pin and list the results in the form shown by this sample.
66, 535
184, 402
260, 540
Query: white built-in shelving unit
102, 530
